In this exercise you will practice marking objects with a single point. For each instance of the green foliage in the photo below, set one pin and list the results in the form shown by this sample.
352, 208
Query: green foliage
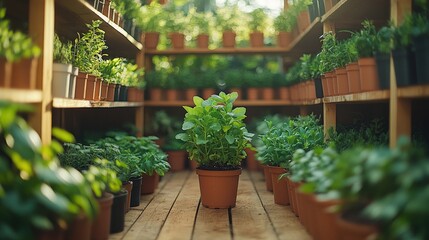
176, 20
163, 125
366, 40
228, 18
62, 51
102, 178
282, 140
201, 22
329, 43
15, 45
119, 71
385, 37
258, 20
88, 51
214, 134
35, 191
129, 9
151, 18
284, 22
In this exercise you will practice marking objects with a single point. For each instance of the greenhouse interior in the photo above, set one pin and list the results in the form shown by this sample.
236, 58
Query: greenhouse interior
234, 119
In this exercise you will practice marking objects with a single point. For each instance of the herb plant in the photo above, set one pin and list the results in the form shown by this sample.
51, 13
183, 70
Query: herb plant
62, 51
215, 135
258, 20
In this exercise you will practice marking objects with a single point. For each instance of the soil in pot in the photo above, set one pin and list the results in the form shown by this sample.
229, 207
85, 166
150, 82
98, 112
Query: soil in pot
135, 191
117, 219
218, 188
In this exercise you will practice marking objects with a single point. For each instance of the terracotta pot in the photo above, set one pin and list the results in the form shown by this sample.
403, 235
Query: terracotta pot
172, 94
135, 94
268, 179
295, 189
193, 165
228, 39
111, 92
284, 39
151, 40
267, 93
238, 91
104, 90
128, 185
368, 74
176, 158
61, 79
155, 94
256, 39
90, 87
353, 77
81, 80
280, 190
354, 231
203, 41
312, 89
207, 92
190, 93
334, 83
218, 188
135, 191
177, 40
97, 89
79, 228
342, 82
252, 163
101, 225
330, 83
252, 93
5, 73
325, 86
149, 183
24, 73
291, 193
327, 228
284, 93
303, 20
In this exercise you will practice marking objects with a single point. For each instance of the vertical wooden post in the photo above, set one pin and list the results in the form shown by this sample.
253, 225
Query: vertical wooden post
329, 116
41, 19
400, 109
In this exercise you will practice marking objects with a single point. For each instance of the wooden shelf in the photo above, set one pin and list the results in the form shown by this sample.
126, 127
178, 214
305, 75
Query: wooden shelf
419, 91
199, 51
359, 97
21, 95
72, 16
75, 103
308, 41
349, 14
245, 103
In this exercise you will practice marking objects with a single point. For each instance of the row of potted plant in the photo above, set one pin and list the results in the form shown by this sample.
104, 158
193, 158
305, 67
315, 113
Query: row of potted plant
134, 164
80, 72
18, 57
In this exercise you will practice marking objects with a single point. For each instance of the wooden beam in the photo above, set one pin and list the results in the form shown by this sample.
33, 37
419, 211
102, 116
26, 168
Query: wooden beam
41, 19
329, 116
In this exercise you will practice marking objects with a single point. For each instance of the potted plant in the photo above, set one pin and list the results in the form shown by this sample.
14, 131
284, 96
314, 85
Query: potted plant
382, 55
61, 68
258, 21
420, 35
38, 193
88, 53
227, 18
176, 25
234, 82
215, 136
150, 20
202, 25
18, 57
283, 24
176, 153
156, 81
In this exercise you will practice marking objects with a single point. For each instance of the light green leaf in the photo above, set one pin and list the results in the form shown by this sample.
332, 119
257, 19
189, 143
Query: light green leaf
182, 136
230, 139
188, 109
198, 101
187, 125
240, 111
62, 135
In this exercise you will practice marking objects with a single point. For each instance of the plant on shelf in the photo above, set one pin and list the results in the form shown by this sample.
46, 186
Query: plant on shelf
62, 69
228, 20
283, 24
202, 26
258, 21
176, 25
37, 194
62, 51
88, 50
215, 136
150, 20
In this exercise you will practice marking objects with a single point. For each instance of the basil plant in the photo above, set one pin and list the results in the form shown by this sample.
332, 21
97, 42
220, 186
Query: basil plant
215, 135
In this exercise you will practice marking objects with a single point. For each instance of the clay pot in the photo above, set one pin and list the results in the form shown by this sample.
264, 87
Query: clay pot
218, 188
176, 159
81, 80
252, 163
342, 82
353, 76
155, 94
268, 179
252, 93
101, 225
368, 74
177, 40
203, 41
267, 93
280, 190
190, 93
151, 40
149, 183
354, 231
256, 39
228, 39
284, 39
79, 228
284, 93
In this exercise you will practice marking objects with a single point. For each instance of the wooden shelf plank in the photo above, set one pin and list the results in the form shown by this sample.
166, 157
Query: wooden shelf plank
309, 40
246, 103
72, 15
21, 95
349, 14
199, 51
419, 91
76, 103
359, 97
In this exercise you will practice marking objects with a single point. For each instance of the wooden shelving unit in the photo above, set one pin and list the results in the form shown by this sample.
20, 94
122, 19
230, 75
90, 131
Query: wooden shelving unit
359, 97
419, 91
305, 43
21, 95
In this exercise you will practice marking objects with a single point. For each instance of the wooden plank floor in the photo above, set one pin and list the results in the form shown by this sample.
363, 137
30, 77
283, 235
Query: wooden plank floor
174, 212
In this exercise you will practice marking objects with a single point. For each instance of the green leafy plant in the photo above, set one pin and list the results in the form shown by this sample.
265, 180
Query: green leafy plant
284, 22
176, 20
151, 18
62, 51
36, 193
366, 40
201, 22
227, 18
15, 45
258, 20
88, 51
214, 134
102, 178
